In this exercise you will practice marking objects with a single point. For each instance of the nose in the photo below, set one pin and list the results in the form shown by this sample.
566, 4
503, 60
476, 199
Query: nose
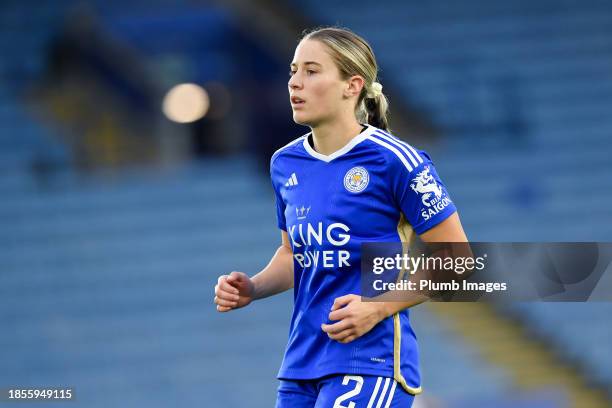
294, 82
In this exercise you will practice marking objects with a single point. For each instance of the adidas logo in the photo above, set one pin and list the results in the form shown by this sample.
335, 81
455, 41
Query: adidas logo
292, 181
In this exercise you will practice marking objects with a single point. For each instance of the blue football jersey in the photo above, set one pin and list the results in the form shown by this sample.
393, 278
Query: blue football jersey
376, 188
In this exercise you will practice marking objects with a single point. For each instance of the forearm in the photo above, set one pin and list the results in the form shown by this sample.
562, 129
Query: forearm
392, 302
398, 300
447, 232
277, 276
390, 308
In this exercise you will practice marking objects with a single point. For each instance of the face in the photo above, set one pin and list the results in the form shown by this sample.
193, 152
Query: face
316, 91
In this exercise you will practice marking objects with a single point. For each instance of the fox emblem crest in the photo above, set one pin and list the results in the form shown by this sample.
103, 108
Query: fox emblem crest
425, 184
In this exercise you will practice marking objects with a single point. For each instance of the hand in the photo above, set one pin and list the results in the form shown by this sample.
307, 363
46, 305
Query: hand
355, 319
233, 291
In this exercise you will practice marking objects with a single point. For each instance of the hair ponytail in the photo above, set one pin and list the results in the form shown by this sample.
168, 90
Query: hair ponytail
374, 109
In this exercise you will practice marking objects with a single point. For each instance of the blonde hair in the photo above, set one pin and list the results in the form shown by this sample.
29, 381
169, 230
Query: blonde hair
354, 56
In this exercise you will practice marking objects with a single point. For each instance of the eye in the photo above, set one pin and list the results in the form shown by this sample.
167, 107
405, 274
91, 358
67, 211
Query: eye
291, 73
310, 71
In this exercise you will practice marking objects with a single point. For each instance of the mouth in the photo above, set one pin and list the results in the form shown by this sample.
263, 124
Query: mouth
295, 101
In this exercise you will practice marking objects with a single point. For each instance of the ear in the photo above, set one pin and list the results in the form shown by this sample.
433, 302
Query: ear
354, 85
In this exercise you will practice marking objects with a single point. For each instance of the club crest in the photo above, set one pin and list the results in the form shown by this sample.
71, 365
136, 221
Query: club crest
356, 179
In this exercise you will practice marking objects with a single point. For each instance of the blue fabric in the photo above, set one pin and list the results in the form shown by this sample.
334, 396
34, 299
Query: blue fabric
329, 205
341, 391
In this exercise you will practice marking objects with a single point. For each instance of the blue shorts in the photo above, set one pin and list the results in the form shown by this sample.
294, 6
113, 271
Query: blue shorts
343, 391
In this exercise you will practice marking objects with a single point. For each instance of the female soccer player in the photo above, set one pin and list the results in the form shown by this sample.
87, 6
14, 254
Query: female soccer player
346, 182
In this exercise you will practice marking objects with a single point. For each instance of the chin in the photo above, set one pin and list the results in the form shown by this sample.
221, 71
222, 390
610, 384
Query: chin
308, 120
301, 119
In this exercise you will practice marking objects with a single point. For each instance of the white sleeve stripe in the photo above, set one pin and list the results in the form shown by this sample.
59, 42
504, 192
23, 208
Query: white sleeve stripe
373, 397
418, 156
394, 150
397, 144
391, 394
383, 392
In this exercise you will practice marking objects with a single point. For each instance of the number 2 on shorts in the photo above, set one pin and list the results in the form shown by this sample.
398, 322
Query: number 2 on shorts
351, 393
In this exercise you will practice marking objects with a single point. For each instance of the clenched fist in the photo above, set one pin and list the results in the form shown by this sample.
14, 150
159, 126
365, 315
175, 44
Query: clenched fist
233, 291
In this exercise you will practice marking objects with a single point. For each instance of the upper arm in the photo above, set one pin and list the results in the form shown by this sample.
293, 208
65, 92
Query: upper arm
449, 230
285, 240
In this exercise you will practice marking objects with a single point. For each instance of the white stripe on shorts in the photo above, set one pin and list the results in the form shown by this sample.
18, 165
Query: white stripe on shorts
382, 394
373, 397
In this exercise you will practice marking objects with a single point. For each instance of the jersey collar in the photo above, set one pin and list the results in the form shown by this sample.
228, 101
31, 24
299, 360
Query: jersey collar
343, 150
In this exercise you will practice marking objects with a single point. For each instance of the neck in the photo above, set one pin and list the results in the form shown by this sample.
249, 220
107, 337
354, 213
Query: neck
331, 137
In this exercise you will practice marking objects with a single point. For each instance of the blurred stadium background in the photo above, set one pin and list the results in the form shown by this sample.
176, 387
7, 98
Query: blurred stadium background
134, 146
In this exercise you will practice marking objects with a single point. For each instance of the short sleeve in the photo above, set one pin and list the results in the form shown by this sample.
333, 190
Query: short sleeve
280, 204
280, 211
421, 195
